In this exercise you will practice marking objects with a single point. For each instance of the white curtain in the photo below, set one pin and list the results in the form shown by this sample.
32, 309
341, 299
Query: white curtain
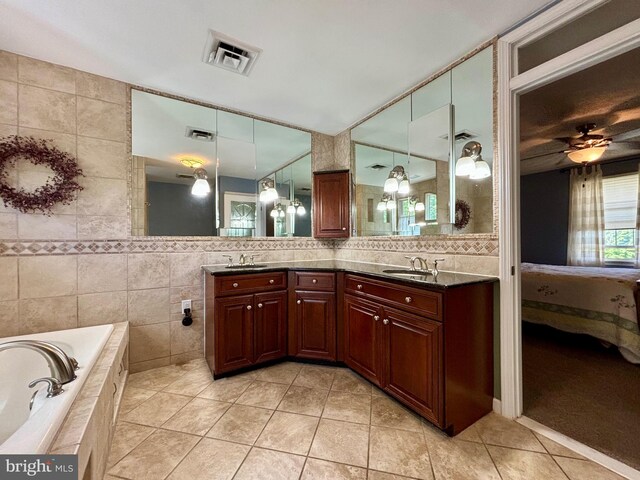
638, 222
586, 217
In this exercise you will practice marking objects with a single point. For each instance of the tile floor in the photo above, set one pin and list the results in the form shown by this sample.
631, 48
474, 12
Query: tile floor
294, 421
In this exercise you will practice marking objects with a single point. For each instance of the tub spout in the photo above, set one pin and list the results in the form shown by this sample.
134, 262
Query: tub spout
61, 365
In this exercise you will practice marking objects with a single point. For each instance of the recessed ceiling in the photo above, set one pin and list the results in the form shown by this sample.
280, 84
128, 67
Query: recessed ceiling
324, 65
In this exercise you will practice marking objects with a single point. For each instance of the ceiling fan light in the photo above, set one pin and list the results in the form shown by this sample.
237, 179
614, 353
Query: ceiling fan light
481, 170
465, 166
586, 155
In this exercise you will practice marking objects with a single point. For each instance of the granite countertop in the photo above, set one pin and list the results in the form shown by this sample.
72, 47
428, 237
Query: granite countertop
443, 280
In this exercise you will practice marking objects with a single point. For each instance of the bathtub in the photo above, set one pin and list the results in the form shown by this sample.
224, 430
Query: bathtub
24, 431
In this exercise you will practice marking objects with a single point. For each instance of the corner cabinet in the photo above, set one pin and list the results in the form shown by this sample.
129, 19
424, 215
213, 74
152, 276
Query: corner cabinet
331, 204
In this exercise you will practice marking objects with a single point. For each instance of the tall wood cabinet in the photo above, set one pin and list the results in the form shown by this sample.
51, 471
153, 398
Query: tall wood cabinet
331, 204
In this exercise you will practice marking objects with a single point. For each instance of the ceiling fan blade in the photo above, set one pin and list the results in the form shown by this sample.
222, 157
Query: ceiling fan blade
541, 155
625, 146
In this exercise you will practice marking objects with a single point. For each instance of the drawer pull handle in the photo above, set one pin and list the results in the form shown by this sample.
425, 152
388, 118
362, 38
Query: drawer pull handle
385, 321
344, 228
235, 285
248, 307
359, 286
376, 317
259, 305
314, 281
272, 281
408, 299
299, 302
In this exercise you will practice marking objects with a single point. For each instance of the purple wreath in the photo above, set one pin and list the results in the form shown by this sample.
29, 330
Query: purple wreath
463, 214
60, 188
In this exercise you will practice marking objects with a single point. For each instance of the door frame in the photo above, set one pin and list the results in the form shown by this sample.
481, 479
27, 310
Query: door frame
510, 86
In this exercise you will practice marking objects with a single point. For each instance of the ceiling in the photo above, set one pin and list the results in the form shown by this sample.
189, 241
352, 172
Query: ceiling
605, 94
324, 65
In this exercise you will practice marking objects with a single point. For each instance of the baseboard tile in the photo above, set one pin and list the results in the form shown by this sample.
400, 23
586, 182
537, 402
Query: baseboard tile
497, 406
584, 450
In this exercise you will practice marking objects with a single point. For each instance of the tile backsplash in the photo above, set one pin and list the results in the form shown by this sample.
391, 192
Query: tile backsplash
81, 267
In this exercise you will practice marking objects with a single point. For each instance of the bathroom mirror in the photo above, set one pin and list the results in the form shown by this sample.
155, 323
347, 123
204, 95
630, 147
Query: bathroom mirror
422, 136
200, 171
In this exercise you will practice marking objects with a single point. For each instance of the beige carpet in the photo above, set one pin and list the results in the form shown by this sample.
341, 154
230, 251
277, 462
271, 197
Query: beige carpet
577, 387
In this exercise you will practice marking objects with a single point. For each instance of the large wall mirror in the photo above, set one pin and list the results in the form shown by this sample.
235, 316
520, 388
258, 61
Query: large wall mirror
200, 171
424, 165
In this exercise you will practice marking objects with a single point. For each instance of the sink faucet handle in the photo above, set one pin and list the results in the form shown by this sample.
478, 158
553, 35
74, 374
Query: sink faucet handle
251, 259
435, 265
424, 265
230, 259
54, 387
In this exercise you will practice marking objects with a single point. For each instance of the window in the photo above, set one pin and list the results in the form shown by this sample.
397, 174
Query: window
431, 207
620, 195
407, 219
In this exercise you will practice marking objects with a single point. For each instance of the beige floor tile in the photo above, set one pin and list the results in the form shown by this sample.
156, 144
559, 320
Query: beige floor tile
461, 460
226, 389
282, 373
349, 407
133, 397
523, 465
263, 394
316, 469
197, 417
155, 379
288, 432
242, 424
554, 448
348, 381
157, 410
399, 451
375, 475
155, 457
269, 465
469, 434
314, 376
126, 437
211, 460
386, 412
585, 470
495, 429
341, 442
192, 383
307, 401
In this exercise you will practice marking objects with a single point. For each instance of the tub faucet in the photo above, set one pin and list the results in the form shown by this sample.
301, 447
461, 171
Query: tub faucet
61, 365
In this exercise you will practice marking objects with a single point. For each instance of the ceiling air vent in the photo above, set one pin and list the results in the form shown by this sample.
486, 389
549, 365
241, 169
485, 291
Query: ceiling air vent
376, 166
225, 52
200, 134
464, 135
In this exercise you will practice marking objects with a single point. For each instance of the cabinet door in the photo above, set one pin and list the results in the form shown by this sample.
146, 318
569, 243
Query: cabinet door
331, 206
413, 362
363, 346
269, 334
233, 333
315, 325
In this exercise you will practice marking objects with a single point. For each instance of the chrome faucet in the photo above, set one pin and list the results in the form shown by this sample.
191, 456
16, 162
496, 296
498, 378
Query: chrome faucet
61, 365
423, 263
242, 259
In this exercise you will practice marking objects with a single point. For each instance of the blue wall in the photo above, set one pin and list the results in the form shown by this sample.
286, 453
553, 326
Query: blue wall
233, 184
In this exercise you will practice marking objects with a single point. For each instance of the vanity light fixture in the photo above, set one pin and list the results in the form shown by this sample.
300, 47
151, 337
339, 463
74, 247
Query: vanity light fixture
296, 207
397, 181
291, 209
278, 211
415, 205
201, 187
268, 192
403, 186
481, 170
471, 164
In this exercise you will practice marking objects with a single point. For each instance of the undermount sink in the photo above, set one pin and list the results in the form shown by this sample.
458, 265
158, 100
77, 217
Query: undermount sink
245, 267
406, 271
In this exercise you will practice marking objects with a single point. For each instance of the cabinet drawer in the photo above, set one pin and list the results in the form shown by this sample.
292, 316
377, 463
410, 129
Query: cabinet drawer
250, 283
423, 302
315, 281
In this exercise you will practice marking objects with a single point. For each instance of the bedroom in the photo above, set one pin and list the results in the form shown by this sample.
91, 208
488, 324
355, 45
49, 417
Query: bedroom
580, 154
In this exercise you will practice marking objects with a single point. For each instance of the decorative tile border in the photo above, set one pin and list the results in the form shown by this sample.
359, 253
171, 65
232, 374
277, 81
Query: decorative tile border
485, 245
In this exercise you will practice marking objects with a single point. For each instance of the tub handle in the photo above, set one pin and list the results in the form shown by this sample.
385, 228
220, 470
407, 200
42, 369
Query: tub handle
54, 387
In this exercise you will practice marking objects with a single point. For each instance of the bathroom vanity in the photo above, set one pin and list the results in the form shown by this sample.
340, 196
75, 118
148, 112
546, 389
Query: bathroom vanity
427, 341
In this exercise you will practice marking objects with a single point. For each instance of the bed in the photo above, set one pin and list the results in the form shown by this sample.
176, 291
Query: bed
597, 301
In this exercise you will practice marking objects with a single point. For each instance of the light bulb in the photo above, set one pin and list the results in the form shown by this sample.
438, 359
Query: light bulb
403, 187
291, 208
263, 196
586, 155
419, 207
274, 213
465, 166
391, 204
412, 208
482, 170
382, 205
301, 210
281, 213
272, 194
391, 185
201, 188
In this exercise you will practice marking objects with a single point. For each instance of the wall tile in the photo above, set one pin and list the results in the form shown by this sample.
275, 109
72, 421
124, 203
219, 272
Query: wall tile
101, 119
186, 339
185, 268
64, 141
482, 265
49, 276
102, 158
8, 279
37, 225
149, 364
99, 227
46, 109
102, 308
8, 66
10, 322
48, 314
6, 130
322, 152
149, 270
9, 102
102, 273
149, 342
102, 196
100, 88
8, 224
46, 75
32, 179
148, 306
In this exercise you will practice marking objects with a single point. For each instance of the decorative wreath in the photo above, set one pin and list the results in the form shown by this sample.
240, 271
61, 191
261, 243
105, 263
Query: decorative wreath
60, 188
463, 214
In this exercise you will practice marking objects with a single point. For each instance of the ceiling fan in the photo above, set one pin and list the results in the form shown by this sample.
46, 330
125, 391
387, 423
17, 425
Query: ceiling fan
588, 147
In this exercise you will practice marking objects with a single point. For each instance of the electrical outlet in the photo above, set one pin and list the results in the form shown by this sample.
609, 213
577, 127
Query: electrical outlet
186, 304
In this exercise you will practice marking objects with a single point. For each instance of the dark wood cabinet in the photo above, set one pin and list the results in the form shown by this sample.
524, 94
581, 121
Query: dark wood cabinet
315, 325
233, 333
362, 343
270, 326
331, 204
